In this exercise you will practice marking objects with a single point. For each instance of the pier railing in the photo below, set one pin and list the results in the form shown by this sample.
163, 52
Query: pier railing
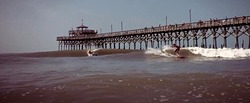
167, 28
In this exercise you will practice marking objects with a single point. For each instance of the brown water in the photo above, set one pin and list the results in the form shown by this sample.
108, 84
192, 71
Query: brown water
123, 78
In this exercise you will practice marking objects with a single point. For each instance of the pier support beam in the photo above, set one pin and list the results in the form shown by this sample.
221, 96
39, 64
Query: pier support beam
248, 34
146, 45
140, 45
204, 38
225, 42
248, 41
124, 44
110, 45
183, 42
114, 46
178, 36
195, 38
214, 36
59, 45
225, 30
179, 40
186, 36
158, 44
105, 45
161, 44
236, 35
237, 42
64, 46
134, 45
152, 44
168, 41
129, 45
214, 42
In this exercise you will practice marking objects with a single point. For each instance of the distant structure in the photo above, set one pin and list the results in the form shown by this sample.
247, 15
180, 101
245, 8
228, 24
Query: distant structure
72, 42
82, 31
184, 34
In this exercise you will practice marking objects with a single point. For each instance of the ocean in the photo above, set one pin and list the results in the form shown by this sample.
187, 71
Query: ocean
150, 76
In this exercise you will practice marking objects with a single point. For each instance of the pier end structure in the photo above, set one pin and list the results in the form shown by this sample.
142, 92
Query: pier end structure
68, 43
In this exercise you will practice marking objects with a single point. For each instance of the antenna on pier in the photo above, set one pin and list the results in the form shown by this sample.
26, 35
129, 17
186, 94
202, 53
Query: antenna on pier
190, 19
82, 21
111, 26
166, 20
121, 26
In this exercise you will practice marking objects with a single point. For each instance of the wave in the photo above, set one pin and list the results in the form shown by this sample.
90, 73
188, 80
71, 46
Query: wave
168, 51
221, 52
70, 53
158, 52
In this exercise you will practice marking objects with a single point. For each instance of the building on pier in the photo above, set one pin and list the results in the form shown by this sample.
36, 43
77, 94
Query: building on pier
68, 43
82, 31
195, 34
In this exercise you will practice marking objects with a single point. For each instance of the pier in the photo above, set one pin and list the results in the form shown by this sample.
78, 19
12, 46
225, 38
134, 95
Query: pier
195, 34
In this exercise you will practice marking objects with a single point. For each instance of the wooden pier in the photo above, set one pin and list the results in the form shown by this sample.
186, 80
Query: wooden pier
186, 35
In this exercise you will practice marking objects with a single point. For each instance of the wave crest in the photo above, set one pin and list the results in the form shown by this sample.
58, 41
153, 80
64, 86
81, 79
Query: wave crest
221, 52
167, 51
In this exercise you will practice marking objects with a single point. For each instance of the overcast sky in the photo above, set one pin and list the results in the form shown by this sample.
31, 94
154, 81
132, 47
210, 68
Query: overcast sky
33, 25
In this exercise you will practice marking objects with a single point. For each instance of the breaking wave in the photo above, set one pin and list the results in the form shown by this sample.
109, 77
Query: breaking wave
158, 52
221, 52
167, 51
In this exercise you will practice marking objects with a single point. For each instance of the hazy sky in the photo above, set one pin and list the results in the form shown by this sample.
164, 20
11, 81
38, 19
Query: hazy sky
33, 25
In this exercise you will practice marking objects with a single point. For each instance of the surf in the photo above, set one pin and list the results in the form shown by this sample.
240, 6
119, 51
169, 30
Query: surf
158, 52
220, 52
168, 51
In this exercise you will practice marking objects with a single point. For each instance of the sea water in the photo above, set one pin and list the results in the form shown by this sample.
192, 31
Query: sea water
151, 76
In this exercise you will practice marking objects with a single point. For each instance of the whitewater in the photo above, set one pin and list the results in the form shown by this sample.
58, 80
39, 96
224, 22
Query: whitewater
167, 51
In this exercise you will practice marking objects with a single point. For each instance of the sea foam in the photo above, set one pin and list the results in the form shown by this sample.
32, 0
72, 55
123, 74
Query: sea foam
221, 52
158, 52
206, 52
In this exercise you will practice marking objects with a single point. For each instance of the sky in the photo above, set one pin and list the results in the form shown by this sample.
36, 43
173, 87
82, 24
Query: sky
33, 25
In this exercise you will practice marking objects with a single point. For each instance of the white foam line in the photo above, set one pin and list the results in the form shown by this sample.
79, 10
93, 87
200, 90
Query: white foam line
158, 52
207, 52
224, 52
